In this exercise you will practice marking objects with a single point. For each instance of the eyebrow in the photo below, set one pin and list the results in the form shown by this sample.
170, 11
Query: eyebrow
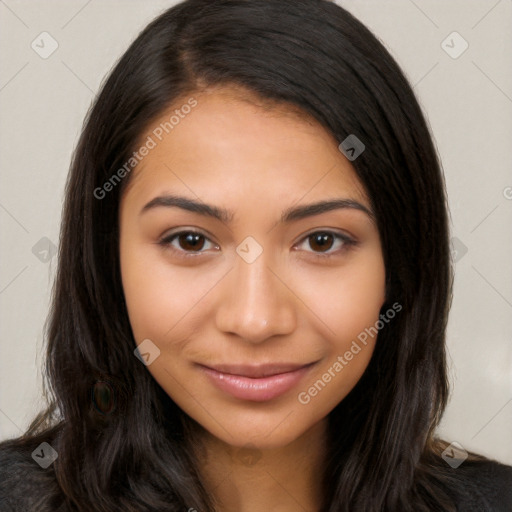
288, 215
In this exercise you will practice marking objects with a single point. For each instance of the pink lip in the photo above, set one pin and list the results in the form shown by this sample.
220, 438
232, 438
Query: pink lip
256, 383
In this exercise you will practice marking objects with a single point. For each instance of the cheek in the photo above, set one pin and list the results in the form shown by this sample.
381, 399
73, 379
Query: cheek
348, 302
149, 298
347, 299
160, 298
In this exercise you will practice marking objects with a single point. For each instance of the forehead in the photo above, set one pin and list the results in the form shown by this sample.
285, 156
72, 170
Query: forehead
233, 141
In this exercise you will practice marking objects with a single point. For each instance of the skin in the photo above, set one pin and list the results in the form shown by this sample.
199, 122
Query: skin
287, 305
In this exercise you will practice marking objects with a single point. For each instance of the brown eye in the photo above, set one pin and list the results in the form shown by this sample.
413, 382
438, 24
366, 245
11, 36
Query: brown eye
187, 242
191, 241
327, 243
321, 241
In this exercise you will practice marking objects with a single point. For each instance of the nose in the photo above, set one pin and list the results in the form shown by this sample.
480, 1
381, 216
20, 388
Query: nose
255, 303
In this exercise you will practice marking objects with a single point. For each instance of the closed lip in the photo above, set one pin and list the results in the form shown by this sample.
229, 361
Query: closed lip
257, 383
257, 371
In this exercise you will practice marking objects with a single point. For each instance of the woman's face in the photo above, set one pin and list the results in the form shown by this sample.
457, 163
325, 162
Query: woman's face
249, 302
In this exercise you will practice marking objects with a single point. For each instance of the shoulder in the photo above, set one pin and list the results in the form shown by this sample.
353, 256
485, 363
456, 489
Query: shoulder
27, 479
482, 485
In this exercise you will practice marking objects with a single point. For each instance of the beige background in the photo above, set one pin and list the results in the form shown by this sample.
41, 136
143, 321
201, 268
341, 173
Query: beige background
468, 101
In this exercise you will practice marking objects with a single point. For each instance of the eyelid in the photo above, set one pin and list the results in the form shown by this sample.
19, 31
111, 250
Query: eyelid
331, 231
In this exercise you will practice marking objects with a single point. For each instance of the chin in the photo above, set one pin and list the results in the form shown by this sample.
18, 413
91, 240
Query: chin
261, 426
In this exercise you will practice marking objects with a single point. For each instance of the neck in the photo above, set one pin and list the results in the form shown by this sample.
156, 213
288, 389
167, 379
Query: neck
251, 479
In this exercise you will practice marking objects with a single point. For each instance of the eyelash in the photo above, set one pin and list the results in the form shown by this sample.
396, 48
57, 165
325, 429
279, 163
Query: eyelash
166, 241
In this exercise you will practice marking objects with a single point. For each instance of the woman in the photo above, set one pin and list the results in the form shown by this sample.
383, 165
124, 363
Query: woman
254, 281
